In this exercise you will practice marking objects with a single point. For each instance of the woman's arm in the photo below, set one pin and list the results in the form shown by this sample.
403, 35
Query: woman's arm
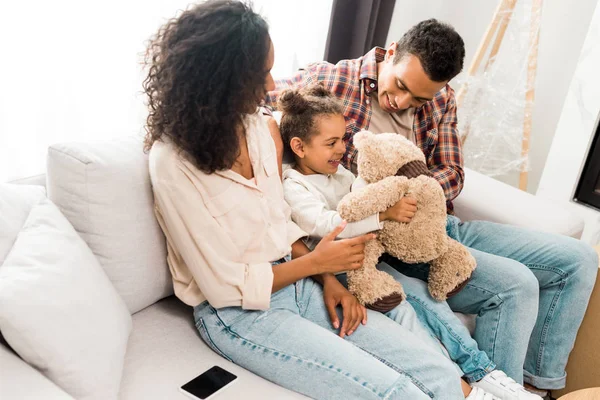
299, 249
334, 295
207, 250
210, 255
329, 257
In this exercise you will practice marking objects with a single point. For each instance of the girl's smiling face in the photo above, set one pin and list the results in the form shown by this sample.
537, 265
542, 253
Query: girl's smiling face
323, 152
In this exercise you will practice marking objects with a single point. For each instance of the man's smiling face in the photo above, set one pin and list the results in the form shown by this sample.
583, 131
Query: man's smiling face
404, 84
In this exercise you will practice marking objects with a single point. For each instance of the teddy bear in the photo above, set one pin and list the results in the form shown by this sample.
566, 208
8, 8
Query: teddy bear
390, 167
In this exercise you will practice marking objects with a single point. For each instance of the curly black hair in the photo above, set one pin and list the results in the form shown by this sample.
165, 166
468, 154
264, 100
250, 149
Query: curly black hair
438, 46
299, 109
206, 71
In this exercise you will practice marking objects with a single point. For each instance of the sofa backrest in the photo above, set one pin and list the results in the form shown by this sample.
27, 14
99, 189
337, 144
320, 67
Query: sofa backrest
38, 180
103, 188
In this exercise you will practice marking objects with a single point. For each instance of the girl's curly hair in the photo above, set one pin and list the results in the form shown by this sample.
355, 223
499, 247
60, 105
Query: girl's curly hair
206, 71
300, 108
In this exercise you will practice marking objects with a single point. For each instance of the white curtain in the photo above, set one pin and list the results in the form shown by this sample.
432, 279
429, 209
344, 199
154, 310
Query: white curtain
71, 70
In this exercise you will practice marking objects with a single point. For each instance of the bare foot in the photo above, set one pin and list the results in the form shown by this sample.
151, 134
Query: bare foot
466, 388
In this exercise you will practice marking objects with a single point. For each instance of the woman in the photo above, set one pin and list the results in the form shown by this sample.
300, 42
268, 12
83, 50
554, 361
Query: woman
234, 254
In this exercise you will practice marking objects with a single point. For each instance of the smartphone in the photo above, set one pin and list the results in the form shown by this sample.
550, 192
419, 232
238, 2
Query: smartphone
207, 384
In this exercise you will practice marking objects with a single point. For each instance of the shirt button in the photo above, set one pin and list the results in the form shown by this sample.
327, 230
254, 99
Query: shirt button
372, 85
368, 101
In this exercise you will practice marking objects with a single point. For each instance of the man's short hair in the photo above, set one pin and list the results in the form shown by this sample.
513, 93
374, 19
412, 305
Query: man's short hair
438, 46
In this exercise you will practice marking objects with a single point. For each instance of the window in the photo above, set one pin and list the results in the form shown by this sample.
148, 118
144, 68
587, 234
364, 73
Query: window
71, 70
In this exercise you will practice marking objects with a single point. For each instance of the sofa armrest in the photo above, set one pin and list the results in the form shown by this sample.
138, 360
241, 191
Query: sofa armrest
484, 198
19, 380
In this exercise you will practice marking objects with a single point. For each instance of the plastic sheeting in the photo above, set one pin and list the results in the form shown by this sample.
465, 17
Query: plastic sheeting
492, 112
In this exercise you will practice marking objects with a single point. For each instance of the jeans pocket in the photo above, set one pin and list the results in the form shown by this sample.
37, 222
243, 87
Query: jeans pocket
207, 339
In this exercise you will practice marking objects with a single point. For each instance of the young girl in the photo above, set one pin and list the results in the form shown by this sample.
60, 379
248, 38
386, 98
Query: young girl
313, 128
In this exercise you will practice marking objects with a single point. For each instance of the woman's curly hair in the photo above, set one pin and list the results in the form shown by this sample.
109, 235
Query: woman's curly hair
206, 71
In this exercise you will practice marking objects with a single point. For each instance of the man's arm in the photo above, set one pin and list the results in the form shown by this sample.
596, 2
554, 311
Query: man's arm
302, 78
446, 161
322, 71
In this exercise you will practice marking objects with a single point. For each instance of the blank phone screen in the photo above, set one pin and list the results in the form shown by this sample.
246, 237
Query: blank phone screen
209, 382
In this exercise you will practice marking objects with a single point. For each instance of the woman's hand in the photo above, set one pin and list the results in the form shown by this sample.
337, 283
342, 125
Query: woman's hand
332, 256
403, 211
354, 313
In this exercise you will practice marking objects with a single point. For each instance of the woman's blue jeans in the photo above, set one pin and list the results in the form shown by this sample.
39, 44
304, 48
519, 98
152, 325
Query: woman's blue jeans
294, 345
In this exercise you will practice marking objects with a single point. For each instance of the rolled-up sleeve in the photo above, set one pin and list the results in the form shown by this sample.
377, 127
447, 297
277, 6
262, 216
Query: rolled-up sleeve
446, 160
294, 232
208, 252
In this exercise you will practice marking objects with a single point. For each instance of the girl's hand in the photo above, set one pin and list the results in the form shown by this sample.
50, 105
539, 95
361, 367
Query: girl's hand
332, 256
354, 313
403, 211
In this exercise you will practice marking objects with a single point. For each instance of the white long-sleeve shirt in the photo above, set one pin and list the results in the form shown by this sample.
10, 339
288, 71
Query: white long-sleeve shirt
314, 200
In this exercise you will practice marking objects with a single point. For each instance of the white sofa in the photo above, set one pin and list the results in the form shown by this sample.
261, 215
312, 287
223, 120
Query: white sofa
164, 349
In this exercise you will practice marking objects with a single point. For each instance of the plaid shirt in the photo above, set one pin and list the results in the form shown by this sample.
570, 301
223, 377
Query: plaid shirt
435, 122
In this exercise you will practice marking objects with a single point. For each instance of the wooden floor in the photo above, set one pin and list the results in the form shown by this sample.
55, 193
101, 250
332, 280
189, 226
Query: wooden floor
583, 368
584, 394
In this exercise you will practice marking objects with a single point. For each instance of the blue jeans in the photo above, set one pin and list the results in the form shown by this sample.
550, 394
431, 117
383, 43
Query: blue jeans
294, 345
530, 292
439, 319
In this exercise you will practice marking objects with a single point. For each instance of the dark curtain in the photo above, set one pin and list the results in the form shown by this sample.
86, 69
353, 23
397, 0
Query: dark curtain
356, 26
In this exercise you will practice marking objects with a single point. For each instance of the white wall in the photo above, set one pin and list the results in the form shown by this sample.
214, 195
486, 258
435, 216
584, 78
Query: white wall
577, 123
563, 28
71, 70
298, 29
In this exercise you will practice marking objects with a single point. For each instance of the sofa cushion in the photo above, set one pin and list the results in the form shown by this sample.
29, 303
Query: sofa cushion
15, 206
58, 310
485, 198
165, 351
103, 188
25, 382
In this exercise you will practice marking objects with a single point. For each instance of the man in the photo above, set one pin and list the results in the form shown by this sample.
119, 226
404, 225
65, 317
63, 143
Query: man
530, 289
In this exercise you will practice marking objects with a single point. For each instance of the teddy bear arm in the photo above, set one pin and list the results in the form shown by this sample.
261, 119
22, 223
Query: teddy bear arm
374, 198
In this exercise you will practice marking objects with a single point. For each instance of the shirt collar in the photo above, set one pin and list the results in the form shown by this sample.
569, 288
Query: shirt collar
368, 68
253, 123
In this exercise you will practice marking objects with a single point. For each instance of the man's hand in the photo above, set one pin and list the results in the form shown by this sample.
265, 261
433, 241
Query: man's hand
334, 294
403, 211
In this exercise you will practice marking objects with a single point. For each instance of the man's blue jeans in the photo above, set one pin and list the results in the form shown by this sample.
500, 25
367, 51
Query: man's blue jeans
442, 324
530, 292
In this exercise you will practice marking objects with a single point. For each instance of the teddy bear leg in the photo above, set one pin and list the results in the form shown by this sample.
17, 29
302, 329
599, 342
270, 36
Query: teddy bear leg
375, 289
451, 271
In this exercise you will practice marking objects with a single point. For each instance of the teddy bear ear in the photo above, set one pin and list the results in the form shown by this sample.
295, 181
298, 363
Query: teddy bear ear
359, 138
